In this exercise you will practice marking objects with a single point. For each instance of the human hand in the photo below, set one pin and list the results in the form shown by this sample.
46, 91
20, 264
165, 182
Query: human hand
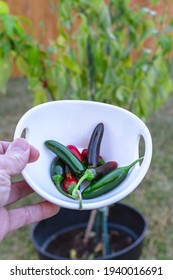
13, 159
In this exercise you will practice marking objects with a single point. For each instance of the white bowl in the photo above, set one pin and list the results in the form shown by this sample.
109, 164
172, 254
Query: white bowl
72, 122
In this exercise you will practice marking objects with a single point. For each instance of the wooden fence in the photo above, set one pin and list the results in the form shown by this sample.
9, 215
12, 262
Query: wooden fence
43, 15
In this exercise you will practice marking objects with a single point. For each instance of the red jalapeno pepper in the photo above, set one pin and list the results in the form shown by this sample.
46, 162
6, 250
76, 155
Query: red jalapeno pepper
69, 182
75, 151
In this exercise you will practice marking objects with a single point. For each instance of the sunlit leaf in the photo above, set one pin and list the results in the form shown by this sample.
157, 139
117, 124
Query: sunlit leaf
4, 9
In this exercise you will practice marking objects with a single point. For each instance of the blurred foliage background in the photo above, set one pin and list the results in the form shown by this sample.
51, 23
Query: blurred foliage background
115, 51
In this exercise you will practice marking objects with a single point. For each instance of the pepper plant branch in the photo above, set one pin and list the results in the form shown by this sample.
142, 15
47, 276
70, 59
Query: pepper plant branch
90, 225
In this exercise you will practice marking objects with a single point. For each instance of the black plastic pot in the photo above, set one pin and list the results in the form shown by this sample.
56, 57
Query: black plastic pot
121, 216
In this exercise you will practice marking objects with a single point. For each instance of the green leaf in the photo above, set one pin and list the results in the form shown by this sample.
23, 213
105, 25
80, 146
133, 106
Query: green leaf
25, 20
71, 64
33, 83
166, 43
33, 55
143, 104
61, 41
5, 72
5, 47
39, 97
19, 30
22, 65
8, 24
4, 9
122, 93
51, 75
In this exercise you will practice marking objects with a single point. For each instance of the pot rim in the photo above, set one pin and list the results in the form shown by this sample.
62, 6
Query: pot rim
115, 254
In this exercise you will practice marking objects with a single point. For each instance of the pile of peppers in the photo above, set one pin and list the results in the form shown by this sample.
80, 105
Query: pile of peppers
70, 168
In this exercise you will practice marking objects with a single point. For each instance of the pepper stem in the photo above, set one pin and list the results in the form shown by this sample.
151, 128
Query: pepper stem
80, 199
128, 167
88, 175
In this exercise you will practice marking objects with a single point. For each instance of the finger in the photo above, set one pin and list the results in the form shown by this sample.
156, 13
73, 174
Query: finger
18, 191
22, 144
30, 214
12, 162
3, 146
34, 154
17, 156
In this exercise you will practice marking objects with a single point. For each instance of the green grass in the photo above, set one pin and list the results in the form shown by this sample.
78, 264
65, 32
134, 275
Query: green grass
154, 196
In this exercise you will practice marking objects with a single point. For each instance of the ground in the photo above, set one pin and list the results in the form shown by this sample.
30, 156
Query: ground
154, 196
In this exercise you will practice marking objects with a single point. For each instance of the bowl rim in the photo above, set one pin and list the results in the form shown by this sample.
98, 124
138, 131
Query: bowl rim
89, 204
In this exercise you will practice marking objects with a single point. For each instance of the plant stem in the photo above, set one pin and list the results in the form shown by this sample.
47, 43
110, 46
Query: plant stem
105, 233
97, 227
90, 225
91, 69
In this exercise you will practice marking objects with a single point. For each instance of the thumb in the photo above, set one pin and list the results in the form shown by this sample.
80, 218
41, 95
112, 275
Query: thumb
16, 157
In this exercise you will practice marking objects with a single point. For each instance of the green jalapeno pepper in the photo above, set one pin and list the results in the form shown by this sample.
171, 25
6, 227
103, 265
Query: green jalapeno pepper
107, 182
95, 173
69, 159
58, 177
57, 167
57, 172
66, 156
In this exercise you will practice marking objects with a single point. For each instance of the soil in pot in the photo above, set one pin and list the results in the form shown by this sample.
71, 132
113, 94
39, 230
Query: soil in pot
72, 244
61, 236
